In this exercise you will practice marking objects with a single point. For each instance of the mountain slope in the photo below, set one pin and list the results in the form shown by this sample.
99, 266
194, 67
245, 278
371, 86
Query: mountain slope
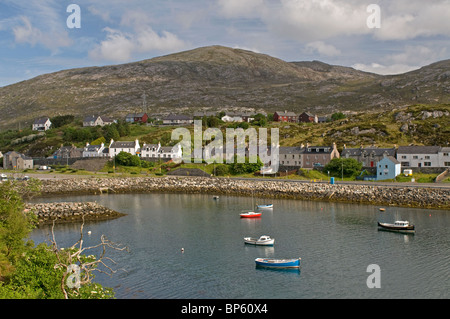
219, 78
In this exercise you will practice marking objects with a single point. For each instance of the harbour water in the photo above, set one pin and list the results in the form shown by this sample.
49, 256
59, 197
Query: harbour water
191, 247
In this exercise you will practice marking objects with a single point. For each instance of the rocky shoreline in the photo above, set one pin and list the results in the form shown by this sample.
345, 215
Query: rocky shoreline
63, 212
421, 197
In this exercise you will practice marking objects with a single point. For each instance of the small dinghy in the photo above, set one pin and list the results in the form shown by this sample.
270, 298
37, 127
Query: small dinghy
265, 206
278, 263
250, 215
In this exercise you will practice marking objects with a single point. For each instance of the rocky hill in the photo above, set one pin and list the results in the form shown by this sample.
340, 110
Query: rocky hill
217, 78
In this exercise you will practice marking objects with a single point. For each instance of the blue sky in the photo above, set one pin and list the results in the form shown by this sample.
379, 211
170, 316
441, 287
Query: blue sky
35, 38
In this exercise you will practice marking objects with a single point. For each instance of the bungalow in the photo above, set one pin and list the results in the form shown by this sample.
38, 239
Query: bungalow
129, 147
232, 118
17, 161
285, 116
94, 150
136, 118
388, 168
42, 124
317, 156
178, 119
368, 156
418, 156
307, 117
95, 120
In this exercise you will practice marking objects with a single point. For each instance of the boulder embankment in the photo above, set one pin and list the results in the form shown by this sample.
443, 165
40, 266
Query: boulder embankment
62, 212
397, 195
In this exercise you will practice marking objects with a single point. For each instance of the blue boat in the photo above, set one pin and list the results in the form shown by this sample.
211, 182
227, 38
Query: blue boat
265, 206
278, 263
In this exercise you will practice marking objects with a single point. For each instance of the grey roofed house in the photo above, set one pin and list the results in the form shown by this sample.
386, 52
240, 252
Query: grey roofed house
419, 156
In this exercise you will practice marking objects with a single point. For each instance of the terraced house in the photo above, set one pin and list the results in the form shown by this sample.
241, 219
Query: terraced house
368, 156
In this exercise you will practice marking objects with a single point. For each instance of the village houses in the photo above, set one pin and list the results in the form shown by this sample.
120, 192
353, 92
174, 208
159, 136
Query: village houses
368, 156
17, 161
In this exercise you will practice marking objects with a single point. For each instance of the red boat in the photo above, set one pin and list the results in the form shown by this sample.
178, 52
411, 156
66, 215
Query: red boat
250, 215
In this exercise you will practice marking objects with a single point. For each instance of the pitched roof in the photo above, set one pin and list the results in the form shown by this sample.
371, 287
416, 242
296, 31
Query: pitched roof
418, 149
285, 113
42, 120
291, 150
119, 144
392, 159
368, 150
174, 117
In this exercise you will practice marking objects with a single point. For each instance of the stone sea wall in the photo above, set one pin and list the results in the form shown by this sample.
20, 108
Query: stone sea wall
368, 194
71, 212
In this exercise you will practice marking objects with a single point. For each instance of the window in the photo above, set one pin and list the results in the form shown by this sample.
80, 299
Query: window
427, 157
403, 156
445, 154
426, 163
446, 163
385, 166
415, 157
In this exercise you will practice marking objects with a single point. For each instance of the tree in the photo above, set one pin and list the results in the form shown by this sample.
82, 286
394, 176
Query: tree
127, 159
347, 166
337, 116
44, 272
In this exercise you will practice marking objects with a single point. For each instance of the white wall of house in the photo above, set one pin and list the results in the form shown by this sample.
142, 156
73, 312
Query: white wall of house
444, 157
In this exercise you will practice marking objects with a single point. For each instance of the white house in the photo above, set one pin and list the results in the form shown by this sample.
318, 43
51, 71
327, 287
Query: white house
444, 157
163, 152
129, 147
232, 118
418, 156
150, 150
388, 168
94, 150
170, 152
42, 124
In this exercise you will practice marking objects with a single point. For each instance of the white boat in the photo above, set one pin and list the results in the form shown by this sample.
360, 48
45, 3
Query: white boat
268, 206
262, 241
399, 225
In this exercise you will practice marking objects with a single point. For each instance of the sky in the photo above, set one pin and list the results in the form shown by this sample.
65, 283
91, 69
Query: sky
380, 36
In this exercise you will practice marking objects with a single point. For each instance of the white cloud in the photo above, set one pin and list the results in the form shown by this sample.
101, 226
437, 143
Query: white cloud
27, 33
322, 48
240, 8
122, 46
410, 58
384, 69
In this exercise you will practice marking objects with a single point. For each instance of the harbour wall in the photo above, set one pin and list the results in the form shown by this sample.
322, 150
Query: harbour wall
62, 212
406, 196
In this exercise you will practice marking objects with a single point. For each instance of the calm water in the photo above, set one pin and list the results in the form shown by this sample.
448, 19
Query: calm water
337, 242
